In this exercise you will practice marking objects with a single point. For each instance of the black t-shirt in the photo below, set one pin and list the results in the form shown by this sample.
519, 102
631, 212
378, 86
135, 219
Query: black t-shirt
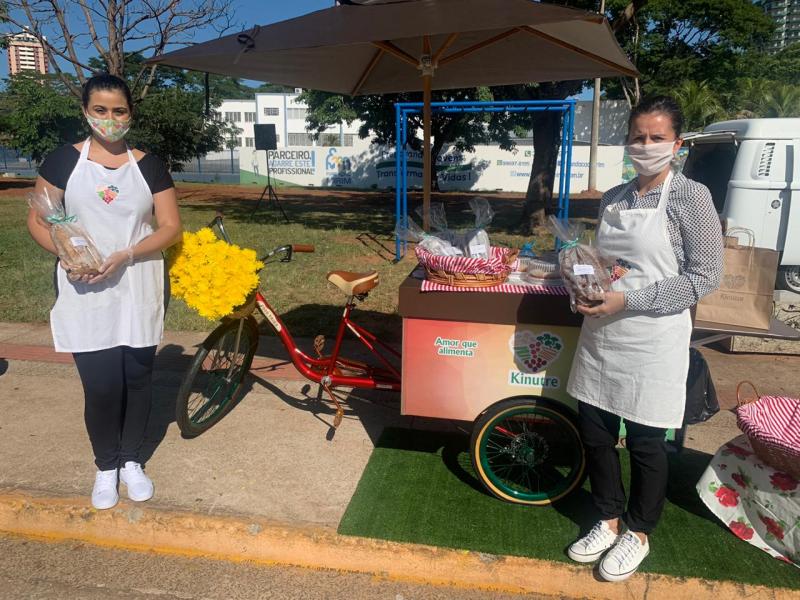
59, 164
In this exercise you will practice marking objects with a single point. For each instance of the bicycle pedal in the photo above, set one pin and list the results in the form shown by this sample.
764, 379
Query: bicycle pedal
319, 344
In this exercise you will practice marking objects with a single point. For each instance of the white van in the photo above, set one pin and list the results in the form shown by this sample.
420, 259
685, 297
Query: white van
752, 167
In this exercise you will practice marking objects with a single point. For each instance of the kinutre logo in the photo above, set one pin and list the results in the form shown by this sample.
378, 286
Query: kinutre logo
534, 352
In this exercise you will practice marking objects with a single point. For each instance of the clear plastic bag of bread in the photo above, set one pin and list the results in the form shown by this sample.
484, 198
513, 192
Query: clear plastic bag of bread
584, 269
473, 243
75, 247
432, 243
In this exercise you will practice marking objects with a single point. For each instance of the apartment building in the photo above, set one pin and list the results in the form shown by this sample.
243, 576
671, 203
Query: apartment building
25, 53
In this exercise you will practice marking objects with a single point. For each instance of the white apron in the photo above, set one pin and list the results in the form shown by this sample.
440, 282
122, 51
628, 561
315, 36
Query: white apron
635, 364
115, 207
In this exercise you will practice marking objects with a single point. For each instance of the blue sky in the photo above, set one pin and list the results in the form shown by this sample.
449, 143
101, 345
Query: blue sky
247, 13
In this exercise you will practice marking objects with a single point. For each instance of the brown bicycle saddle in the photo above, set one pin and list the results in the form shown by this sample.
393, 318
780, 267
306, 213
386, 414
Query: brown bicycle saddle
354, 284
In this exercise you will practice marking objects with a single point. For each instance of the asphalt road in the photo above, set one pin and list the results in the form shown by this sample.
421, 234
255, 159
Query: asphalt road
37, 570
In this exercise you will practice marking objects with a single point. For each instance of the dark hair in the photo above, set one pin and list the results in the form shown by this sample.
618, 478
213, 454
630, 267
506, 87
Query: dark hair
105, 81
659, 104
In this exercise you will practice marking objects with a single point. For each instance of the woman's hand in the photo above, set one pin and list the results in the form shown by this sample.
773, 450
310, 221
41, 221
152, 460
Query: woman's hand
112, 264
71, 272
613, 302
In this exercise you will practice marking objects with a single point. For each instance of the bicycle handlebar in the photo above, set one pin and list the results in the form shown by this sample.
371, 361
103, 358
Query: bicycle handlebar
287, 249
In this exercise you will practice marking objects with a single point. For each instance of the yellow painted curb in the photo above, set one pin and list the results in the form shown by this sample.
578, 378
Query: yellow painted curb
135, 527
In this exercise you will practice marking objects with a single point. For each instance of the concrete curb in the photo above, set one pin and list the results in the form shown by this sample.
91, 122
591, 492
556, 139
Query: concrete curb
160, 530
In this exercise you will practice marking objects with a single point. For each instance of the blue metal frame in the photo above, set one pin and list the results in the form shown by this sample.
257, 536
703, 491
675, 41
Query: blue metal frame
404, 109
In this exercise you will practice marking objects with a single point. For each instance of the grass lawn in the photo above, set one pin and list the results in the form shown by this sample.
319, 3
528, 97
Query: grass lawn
352, 230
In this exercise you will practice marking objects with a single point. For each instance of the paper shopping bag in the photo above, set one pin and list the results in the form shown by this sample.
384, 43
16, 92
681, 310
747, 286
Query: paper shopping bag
744, 297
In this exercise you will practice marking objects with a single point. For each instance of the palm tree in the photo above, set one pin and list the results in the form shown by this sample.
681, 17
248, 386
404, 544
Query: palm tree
748, 98
699, 103
782, 101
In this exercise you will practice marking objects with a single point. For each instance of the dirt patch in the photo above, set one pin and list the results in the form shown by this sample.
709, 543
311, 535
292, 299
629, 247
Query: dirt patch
15, 188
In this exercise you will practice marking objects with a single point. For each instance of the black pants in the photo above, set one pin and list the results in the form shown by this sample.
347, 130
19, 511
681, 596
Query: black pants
649, 468
117, 385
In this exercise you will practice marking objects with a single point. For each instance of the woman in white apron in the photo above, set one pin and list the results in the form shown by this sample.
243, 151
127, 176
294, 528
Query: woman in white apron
633, 354
112, 321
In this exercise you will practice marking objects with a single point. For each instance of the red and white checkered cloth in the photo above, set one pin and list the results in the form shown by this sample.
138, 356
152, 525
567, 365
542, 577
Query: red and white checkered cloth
462, 264
503, 288
773, 420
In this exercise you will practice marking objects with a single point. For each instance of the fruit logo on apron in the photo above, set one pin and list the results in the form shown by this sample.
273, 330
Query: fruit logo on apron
107, 193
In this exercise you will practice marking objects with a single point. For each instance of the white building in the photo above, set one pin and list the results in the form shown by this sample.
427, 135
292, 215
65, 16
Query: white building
289, 117
242, 114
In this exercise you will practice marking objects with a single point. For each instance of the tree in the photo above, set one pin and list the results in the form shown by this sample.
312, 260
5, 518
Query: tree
688, 40
700, 105
546, 131
38, 114
377, 116
171, 123
112, 28
782, 100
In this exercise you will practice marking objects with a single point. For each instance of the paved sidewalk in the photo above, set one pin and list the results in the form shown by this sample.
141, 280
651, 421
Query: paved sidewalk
269, 482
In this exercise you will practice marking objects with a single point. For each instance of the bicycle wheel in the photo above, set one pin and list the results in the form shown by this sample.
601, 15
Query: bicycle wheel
528, 451
209, 388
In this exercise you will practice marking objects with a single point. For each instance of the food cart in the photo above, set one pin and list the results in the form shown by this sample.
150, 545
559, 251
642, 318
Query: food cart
501, 361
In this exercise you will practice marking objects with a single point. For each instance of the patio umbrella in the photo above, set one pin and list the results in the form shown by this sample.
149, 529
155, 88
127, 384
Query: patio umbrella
387, 46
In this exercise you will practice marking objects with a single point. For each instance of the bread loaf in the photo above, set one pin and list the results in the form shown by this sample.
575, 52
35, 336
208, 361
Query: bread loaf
585, 275
76, 248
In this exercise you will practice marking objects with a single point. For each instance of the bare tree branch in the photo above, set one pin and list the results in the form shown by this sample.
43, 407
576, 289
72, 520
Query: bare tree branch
114, 28
92, 31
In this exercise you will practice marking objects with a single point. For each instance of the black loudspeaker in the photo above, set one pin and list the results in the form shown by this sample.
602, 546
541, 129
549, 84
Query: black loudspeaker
265, 137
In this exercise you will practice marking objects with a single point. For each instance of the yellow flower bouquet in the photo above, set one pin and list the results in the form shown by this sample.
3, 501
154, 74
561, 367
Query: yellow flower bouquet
210, 275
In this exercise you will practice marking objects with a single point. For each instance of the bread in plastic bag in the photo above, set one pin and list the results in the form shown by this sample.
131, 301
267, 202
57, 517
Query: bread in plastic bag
584, 269
74, 245
473, 243
432, 243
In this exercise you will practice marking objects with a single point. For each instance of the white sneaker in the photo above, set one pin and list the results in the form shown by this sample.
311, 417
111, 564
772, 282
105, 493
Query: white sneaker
591, 546
104, 492
624, 558
140, 487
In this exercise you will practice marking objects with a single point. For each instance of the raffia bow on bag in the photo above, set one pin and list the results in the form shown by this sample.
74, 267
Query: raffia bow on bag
744, 297
772, 424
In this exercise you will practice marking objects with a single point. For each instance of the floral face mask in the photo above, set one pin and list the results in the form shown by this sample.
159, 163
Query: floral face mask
109, 130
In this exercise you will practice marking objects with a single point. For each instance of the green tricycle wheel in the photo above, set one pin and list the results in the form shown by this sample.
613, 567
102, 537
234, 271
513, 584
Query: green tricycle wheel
527, 450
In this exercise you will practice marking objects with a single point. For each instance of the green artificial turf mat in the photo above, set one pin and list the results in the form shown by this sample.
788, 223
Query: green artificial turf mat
420, 487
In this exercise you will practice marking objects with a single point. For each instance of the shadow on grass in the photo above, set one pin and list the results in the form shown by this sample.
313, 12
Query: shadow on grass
366, 211
16, 184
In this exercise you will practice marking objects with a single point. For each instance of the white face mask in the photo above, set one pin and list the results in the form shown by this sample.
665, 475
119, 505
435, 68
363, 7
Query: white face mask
650, 159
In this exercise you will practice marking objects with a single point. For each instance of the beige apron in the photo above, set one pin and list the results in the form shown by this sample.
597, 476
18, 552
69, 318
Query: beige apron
634, 364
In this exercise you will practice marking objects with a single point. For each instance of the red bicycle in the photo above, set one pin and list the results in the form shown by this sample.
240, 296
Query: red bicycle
210, 387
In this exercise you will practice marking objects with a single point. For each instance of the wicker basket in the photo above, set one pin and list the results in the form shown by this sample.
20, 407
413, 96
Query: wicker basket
468, 272
245, 309
774, 455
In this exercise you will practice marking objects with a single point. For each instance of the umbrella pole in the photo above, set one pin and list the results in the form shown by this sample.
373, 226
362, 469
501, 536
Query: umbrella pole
426, 158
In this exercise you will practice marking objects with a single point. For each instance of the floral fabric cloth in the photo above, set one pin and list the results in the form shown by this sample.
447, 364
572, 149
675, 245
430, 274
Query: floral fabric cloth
757, 503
